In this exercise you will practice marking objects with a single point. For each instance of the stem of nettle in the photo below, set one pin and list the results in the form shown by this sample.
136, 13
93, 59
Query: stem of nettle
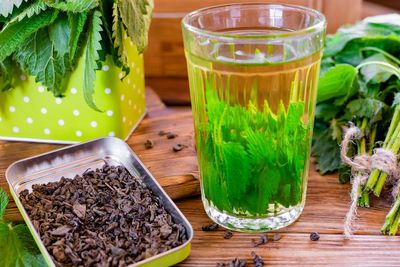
371, 140
394, 146
377, 178
391, 215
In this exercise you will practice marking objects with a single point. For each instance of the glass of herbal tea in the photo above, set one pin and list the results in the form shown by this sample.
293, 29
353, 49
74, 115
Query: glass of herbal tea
253, 73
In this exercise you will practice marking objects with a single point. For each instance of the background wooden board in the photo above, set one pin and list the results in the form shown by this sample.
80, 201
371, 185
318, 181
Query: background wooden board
326, 205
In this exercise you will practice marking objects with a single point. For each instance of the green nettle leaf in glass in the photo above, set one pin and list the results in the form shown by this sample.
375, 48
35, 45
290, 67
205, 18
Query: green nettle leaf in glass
253, 74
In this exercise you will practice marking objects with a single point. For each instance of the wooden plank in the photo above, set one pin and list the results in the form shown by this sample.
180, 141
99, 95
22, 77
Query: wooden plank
172, 90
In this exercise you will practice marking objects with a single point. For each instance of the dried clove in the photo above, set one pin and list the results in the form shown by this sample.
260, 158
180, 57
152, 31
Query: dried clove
228, 234
314, 236
148, 144
210, 227
263, 240
171, 136
257, 260
276, 237
104, 217
178, 147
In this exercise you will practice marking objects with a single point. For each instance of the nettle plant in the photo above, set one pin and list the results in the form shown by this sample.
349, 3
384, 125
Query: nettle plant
47, 38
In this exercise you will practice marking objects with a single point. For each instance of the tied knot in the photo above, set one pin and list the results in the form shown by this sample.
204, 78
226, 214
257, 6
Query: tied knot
361, 166
384, 160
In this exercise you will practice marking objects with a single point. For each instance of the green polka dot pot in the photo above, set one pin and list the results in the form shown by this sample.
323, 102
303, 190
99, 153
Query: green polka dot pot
28, 112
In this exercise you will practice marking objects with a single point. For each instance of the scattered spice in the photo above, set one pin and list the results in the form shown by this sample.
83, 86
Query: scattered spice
105, 217
276, 237
233, 263
314, 236
171, 136
228, 234
263, 240
257, 260
148, 144
210, 227
178, 147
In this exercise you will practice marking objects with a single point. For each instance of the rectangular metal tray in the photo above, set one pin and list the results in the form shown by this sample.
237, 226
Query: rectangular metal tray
76, 159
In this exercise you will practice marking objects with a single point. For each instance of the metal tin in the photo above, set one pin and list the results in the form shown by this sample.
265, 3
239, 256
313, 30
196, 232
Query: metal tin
76, 159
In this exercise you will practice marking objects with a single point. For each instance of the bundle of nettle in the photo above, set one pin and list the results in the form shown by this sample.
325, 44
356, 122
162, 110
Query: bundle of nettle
357, 128
46, 38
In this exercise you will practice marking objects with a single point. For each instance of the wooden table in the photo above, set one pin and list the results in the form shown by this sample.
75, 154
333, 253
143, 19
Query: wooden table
326, 205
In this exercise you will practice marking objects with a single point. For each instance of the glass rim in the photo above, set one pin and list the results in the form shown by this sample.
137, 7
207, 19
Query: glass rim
313, 28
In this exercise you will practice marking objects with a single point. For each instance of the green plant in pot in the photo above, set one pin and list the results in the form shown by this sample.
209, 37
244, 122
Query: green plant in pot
45, 38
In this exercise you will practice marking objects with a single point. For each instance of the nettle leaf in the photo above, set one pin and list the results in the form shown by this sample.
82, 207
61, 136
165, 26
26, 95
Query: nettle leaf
33, 9
59, 33
354, 53
91, 56
3, 202
73, 6
7, 6
366, 28
117, 35
136, 16
76, 24
367, 108
15, 32
326, 152
376, 73
38, 57
338, 83
327, 111
17, 247
8, 68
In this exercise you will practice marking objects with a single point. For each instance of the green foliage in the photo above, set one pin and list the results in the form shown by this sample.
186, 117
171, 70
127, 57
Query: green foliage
59, 33
91, 56
73, 6
17, 247
15, 32
253, 158
47, 38
359, 83
32, 10
369, 108
326, 150
76, 24
7, 73
3, 202
338, 83
136, 16
117, 34
6, 7
38, 57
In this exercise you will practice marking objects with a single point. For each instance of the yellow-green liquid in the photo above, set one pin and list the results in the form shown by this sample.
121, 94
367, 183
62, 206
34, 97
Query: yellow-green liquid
253, 125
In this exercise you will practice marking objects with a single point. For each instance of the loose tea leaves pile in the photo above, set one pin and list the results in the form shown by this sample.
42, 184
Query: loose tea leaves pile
105, 217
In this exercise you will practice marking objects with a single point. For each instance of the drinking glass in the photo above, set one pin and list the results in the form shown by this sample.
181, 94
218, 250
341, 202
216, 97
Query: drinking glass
253, 72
